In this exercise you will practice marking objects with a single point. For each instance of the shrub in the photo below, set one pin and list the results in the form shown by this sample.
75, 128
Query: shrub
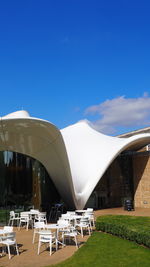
132, 228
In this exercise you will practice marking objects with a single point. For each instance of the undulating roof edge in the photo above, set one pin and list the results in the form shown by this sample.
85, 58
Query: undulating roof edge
75, 157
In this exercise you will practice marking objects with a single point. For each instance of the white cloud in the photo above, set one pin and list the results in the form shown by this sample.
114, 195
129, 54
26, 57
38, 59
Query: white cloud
121, 112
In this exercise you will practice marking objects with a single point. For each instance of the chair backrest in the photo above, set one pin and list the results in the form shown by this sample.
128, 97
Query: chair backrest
41, 217
66, 217
84, 220
46, 237
62, 222
88, 213
24, 216
34, 211
24, 213
11, 236
42, 214
12, 214
71, 212
8, 228
89, 209
39, 225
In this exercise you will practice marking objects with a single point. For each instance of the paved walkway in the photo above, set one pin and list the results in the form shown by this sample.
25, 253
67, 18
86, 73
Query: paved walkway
28, 252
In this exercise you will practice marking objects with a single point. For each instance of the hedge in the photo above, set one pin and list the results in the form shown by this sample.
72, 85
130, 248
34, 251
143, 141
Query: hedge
133, 228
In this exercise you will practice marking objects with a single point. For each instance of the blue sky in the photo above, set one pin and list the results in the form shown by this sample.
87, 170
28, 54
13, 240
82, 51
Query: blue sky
61, 58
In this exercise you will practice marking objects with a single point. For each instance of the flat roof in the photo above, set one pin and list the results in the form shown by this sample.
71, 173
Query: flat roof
139, 131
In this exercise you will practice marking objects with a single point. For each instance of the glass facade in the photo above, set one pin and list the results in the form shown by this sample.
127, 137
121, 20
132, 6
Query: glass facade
24, 184
116, 185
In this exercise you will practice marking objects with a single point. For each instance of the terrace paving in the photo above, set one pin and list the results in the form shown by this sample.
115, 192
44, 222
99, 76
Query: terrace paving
28, 252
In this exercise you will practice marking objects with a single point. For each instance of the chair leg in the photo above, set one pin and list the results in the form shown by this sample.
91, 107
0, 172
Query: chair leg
33, 237
91, 226
62, 237
17, 249
56, 244
19, 226
64, 240
39, 248
89, 230
75, 238
50, 250
81, 231
8, 248
3, 250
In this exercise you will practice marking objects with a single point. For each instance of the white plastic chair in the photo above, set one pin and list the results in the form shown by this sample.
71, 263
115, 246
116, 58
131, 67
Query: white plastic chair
70, 233
84, 224
66, 217
9, 240
64, 226
24, 219
90, 215
13, 216
37, 227
41, 217
49, 239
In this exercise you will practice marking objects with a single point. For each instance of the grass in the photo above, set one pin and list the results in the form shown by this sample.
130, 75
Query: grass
135, 223
105, 250
133, 228
4, 215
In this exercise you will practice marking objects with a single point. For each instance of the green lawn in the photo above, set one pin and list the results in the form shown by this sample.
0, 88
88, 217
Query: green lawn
133, 228
133, 222
104, 250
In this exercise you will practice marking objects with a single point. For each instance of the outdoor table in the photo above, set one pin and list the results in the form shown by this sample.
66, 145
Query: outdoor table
45, 232
76, 216
32, 215
80, 211
33, 212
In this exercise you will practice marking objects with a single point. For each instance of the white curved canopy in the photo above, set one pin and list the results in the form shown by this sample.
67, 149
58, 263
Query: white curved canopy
75, 157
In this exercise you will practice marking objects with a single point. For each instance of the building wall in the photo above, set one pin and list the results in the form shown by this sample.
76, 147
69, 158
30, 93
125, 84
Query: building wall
128, 177
141, 177
130, 182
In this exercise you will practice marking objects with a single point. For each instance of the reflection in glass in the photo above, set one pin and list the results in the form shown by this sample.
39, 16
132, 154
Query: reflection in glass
24, 184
